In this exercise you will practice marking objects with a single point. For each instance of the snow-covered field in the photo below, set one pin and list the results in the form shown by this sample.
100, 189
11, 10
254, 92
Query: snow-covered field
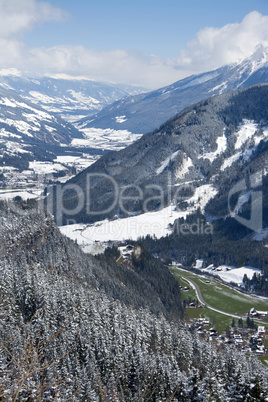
78, 162
108, 139
62, 163
150, 223
39, 171
230, 273
45, 167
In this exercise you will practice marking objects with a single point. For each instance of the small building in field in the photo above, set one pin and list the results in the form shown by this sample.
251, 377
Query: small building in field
261, 331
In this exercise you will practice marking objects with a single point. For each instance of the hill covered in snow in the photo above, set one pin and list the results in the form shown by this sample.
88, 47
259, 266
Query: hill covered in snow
147, 111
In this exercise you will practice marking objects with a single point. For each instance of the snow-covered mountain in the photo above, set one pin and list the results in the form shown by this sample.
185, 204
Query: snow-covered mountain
93, 329
28, 132
145, 112
37, 141
194, 158
71, 98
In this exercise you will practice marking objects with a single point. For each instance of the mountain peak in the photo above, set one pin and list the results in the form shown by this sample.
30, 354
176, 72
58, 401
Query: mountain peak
258, 59
146, 112
260, 53
199, 145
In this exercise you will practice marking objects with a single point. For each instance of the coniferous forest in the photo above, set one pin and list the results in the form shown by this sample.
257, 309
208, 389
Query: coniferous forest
76, 327
133, 201
226, 243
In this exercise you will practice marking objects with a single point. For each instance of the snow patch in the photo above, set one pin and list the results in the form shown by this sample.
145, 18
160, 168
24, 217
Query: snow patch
201, 197
243, 135
5, 133
14, 104
246, 131
41, 97
198, 264
15, 148
78, 162
229, 161
120, 119
25, 195
243, 199
50, 129
221, 147
220, 88
20, 125
80, 97
7, 102
166, 162
184, 169
231, 273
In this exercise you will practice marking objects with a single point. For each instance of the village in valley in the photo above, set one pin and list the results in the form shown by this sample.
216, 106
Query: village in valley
247, 339
246, 332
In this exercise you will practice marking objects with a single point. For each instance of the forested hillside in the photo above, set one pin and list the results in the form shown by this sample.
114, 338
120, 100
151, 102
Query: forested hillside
81, 329
214, 143
145, 112
221, 242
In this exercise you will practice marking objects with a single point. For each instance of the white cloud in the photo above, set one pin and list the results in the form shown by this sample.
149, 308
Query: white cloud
17, 16
211, 48
215, 47
116, 65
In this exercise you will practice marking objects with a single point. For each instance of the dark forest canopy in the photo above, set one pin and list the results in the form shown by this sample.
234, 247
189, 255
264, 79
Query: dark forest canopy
100, 329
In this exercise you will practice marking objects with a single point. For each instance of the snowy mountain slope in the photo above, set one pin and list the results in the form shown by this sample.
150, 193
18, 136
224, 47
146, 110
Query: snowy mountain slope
65, 98
34, 122
38, 142
213, 143
94, 238
29, 132
86, 327
145, 112
70, 98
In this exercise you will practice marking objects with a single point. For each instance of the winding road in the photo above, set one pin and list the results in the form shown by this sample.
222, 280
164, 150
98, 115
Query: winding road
202, 301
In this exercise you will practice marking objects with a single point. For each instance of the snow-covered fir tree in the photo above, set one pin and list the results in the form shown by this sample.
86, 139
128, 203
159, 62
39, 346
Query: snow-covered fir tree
74, 327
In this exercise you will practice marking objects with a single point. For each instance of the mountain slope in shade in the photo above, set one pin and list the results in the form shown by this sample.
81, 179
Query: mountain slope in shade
71, 98
91, 329
213, 143
145, 112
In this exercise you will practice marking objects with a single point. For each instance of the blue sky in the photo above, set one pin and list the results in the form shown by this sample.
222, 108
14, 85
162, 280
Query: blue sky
160, 27
149, 43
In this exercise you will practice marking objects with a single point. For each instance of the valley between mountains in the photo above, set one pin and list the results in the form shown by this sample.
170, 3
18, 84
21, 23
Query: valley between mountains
114, 204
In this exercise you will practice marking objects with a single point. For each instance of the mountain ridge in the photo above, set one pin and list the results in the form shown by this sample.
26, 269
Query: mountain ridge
146, 112
28, 132
67, 97
206, 144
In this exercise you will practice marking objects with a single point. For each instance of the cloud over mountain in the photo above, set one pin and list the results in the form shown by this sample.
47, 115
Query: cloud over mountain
211, 48
214, 47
